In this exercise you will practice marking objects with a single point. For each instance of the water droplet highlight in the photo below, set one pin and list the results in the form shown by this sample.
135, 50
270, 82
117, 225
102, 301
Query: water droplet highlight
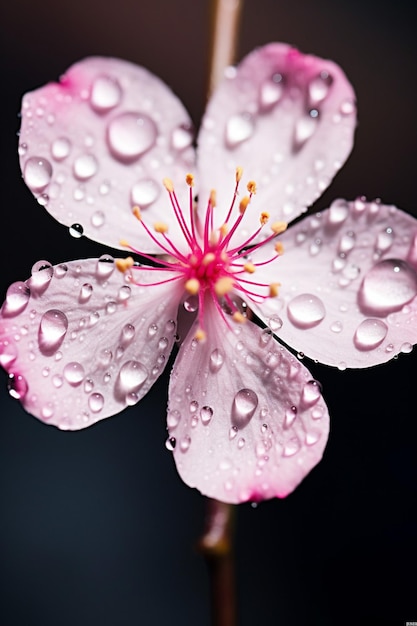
387, 287
106, 94
129, 135
370, 334
244, 406
37, 173
239, 128
306, 310
52, 330
144, 192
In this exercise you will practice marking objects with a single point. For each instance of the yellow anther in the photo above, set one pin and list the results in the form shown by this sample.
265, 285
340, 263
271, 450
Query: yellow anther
243, 204
214, 237
249, 268
189, 179
124, 264
279, 248
160, 227
200, 335
192, 286
279, 227
224, 229
223, 286
264, 217
208, 258
124, 243
136, 213
238, 317
239, 172
273, 289
213, 198
168, 184
251, 186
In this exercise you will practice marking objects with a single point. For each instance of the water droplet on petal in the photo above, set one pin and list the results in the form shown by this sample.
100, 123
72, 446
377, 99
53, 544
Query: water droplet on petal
152, 330
8, 354
216, 360
384, 240
131, 377
406, 347
291, 447
311, 393
37, 173
17, 386
96, 402
336, 327
387, 287
85, 166
306, 310
191, 304
290, 415
17, 298
370, 334
304, 130
128, 332
270, 94
42, 273
52, 330
124, 293
318, 88
185, 443
61, 270
182, 137
239, 128
173, 418
338, 212
85, 293
61, 148
105, 266
76, 231
206, 413
240, 443
163, 343
144, 192
244, 407
106, 94
170, 443
129, 135
347, 242
275, 323
74, 373
233, 432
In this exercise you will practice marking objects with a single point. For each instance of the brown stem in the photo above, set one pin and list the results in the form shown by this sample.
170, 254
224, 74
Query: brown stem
216, 545
225, 25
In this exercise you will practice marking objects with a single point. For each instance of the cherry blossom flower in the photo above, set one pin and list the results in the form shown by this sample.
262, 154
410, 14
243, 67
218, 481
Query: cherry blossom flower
109, 152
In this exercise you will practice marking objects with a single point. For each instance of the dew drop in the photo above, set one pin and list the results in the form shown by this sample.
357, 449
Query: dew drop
387, 287
144, 192
370, 334
85, 166
124, 293
106, 94
318, 88
185, 443
291, 447
128, 332
173, 418
61, 148
271, 93
129, 135
17, 386
88, 385
74, 373
244, 407
105, 266
61, 270
384, 240
306, 310
152, 330
239, 128
42, 273
275, 323
191, 304
52, 330
336, 327
406, 347
86, 292
303, 131
338, 212
290, 415
8, 354
193, 406
170, 443
216, 360
37, 173
182, 137
163, 343
311, 393
131, 377
76, 231
206, 413
233, 432
240, 443
17, 298
96, 402
347, 242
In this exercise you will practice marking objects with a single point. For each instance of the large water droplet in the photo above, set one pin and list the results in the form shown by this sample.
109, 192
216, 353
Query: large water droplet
191, 304
61, 148
42, 273
306, 310
239, 128
387, 287
128, 332
37, 173
105, 266
370, 334
131, 377
52, 330
8, 354
17, 298
74, 373
96, 402
311, 393
86, 292
270, 94
129, 135
17, 386
85, 166
304, 130
206, 413
106, 94
216, 360
244, 407
338, 212
170, 443
144, 192
76, 231
318, 88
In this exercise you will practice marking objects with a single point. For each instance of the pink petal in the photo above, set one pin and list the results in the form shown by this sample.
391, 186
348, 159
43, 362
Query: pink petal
245, 419
100, 142
80, 343
288, 120
348, 284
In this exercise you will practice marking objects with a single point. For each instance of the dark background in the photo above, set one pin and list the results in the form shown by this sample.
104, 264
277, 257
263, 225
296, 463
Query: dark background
96, 527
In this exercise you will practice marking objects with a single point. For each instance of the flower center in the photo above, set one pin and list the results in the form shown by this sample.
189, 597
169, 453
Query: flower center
213, 266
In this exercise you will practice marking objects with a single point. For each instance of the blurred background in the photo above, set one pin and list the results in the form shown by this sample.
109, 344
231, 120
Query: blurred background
95, 526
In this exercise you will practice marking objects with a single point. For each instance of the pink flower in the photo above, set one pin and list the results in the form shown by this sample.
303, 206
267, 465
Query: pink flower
83, 340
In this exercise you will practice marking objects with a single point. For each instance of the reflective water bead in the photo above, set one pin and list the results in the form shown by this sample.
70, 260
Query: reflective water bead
370, 334
182, 137
52, 330
17, 386
311, 392
185, 443
170, 443
270, 94
106, 94
8, 354
206, 413
131, 377
105, 266
124, 293
128, 332
85, 166
42, 273
244, 406
60, 148
76, 231
85, 292
173, 418
129, 135
74, 373
290, 415
388, 286
239, 128
37, 173
306, 310
96, 402
144, 192
17, 298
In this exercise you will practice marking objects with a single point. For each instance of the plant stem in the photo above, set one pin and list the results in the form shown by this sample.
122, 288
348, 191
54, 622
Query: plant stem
216, 545
225, 25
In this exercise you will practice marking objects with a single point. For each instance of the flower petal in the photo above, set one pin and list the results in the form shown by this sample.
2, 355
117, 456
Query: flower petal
348, 284
245, 419
101, 141
81, 343
288, 119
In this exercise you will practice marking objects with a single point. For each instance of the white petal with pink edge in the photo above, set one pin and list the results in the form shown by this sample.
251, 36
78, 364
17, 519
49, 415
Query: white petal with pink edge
81, 342
288, 119
245, 420
101, 141
348, 275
